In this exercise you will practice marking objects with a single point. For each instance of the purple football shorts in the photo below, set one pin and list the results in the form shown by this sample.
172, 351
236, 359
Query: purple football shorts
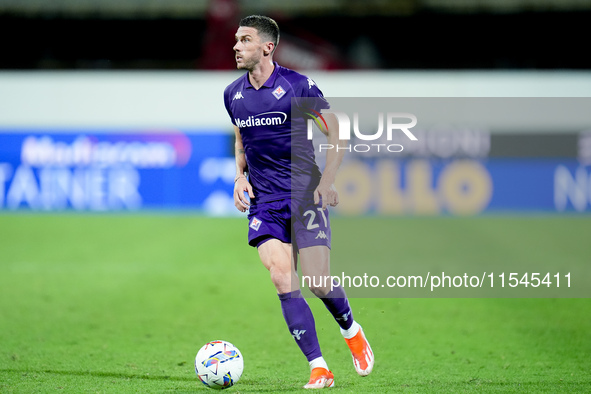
300, 222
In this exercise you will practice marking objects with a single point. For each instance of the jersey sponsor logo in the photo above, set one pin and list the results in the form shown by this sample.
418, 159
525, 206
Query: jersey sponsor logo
238, 96
311, 83
279, 92
274, 118
321, 235
255, 224
297, 334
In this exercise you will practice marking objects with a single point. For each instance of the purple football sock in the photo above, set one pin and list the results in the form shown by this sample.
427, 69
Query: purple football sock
300, 321
338, 305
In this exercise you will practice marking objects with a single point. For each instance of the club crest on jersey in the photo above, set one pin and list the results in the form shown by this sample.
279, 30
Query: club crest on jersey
255, 224
279, 92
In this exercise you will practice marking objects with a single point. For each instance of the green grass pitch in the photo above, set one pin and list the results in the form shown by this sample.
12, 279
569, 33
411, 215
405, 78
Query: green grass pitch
122, 303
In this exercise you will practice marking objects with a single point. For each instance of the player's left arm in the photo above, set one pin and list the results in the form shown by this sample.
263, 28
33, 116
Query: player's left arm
241, 184
334, 157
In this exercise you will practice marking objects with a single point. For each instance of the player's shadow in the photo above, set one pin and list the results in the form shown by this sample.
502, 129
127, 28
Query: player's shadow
103, 374
246, 384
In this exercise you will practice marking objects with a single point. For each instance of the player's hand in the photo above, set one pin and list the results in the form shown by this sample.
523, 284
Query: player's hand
328, 194
240, 201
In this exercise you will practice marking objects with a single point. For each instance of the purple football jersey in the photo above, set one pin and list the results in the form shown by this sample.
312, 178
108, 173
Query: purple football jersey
276, 171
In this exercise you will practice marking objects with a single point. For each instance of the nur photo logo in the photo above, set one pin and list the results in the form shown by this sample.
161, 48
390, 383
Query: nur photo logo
393, 121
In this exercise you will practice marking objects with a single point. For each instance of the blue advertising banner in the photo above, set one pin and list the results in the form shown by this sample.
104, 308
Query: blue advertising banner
102, 171
463, 186
125, 171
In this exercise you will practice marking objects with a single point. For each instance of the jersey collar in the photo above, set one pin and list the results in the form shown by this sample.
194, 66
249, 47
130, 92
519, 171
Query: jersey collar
268, 83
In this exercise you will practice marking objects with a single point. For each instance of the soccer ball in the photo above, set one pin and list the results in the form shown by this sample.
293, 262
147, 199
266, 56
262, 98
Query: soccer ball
219, 364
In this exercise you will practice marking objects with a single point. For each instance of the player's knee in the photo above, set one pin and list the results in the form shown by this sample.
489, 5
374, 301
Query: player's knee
281, 280
280, 273
277, 259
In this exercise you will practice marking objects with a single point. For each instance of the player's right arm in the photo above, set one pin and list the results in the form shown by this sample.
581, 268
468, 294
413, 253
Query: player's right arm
241, 183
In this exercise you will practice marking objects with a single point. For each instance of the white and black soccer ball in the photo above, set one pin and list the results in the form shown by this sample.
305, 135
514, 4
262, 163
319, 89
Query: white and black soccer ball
219, 364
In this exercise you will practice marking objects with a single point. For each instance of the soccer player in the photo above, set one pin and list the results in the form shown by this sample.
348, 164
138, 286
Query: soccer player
259, 105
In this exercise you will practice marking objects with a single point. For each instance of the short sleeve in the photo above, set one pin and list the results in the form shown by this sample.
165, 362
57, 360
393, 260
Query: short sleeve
311, 90
227, 102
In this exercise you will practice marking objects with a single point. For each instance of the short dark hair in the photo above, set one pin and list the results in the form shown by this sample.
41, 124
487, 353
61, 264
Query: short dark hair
265, 26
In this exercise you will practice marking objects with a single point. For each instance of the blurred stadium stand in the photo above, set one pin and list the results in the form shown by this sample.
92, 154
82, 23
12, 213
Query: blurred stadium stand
324, 35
